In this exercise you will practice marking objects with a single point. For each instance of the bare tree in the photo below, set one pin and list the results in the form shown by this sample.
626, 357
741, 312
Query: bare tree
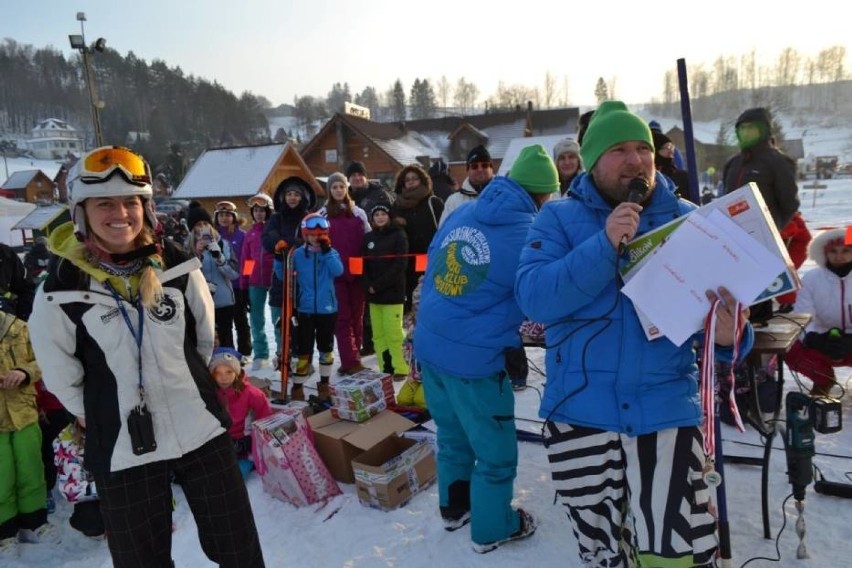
749, 67
465, 95
444, 91
669, 87
788, 68
549, 93
601, 91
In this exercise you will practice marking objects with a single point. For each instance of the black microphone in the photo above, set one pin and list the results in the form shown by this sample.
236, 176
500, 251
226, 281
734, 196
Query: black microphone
636, 190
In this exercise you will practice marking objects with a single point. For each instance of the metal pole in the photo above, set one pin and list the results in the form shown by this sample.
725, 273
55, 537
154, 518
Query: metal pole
90, 83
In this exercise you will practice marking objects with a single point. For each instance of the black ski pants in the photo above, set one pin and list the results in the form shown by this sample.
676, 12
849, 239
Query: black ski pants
136, 504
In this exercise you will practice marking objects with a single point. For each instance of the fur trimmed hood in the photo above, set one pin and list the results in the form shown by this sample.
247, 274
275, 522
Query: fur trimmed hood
816, 250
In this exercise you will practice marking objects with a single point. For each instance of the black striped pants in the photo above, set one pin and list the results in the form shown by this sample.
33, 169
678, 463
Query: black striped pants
136, 504
634, 501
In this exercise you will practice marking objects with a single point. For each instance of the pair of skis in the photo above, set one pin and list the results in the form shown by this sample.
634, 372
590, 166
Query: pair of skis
287, 321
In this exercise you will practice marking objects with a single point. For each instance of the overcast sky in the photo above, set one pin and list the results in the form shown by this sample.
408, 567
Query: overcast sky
282, 48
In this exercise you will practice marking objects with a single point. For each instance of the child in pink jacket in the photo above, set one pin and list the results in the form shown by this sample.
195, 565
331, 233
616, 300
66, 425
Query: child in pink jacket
244, 401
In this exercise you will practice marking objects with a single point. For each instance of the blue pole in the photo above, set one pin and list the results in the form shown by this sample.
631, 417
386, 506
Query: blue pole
689, 139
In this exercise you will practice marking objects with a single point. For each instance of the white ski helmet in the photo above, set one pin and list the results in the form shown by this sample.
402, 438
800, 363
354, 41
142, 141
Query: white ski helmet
95, 175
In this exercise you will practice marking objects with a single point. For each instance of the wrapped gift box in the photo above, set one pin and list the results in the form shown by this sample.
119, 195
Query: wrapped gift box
287, 462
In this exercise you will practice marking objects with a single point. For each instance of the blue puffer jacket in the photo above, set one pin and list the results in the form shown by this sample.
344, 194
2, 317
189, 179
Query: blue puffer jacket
315, 274
468, 315
601, 371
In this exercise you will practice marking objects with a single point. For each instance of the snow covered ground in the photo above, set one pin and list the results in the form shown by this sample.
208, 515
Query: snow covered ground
345, 533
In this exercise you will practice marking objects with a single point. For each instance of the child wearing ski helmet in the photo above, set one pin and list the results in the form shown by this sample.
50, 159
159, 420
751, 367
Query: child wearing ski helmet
244, 401
123, 330
229, 224
315, 264
258, 278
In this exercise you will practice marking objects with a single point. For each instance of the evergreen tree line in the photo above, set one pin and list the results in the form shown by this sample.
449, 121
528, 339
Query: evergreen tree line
177, 111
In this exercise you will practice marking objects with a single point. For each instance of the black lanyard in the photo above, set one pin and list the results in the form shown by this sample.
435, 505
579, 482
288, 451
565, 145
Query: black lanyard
140, 310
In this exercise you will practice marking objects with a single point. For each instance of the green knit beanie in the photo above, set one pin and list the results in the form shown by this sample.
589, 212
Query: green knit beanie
612, 124
534, 170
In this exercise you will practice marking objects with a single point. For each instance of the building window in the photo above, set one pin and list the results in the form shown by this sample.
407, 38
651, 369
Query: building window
331, 156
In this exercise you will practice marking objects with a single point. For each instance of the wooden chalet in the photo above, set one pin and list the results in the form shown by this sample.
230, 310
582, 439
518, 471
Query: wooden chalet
386, 147
235, 174
30, 186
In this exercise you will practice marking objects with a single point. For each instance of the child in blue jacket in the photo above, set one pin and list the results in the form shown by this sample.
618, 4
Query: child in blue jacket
315, 266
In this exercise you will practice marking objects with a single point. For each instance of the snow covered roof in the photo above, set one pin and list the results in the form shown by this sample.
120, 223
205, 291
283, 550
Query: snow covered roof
518, 144
53, 125
20, 180
221, 172
40, 217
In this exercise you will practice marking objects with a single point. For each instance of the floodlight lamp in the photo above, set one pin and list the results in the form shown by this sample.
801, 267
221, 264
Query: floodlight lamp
77, 41
100, 44
81, 16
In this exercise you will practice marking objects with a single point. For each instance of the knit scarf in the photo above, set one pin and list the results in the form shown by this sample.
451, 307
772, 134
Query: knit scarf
409, 198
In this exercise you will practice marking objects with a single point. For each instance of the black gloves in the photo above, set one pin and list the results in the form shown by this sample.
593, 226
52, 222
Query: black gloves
833, 343
516, 363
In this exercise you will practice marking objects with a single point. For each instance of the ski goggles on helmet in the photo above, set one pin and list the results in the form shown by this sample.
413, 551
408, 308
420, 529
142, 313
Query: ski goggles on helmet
101, 164
226, 207
314, 225
261, 200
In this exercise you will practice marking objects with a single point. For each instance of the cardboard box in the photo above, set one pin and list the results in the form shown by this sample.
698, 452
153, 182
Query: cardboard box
363, 389
390, 473
358, 414
338, 441
288, 464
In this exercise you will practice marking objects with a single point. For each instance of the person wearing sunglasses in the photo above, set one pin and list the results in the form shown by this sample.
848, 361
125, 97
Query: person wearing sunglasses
480, 171
229, 224
123, 331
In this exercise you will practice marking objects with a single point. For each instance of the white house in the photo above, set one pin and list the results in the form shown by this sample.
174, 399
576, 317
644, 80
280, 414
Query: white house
53, 138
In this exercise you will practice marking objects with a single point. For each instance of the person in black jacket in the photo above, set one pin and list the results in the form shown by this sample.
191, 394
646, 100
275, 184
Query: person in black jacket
761, 162
366, 194
15, 290
293, 199
384, 253
664, 162
418, 211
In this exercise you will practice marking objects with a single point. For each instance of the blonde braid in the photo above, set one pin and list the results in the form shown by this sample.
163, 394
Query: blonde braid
150, 288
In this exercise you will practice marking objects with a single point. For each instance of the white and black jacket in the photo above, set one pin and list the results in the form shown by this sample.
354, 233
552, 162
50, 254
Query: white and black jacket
89, 356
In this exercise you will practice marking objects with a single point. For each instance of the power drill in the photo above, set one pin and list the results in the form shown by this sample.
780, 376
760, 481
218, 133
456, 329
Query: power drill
799, 443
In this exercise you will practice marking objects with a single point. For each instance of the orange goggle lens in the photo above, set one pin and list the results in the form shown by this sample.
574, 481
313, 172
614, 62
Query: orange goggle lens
101, 164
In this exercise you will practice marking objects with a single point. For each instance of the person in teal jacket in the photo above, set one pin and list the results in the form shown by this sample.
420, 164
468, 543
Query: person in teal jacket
622, 413
466, 342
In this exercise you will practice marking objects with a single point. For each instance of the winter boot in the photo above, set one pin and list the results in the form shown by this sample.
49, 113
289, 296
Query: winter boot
304, 368
326, 360
87, 518
457, 513
297, 392
323, 391
528, 526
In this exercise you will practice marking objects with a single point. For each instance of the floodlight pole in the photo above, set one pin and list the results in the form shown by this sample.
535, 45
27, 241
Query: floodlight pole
90, 83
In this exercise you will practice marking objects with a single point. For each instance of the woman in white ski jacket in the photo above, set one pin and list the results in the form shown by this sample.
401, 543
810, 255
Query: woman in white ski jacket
123, 330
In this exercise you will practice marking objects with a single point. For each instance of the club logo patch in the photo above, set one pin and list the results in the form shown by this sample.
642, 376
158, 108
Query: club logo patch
166, 312
461, 262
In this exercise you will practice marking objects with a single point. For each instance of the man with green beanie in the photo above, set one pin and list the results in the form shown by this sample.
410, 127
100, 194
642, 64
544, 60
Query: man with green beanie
465, 339
622, 413
761, 162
